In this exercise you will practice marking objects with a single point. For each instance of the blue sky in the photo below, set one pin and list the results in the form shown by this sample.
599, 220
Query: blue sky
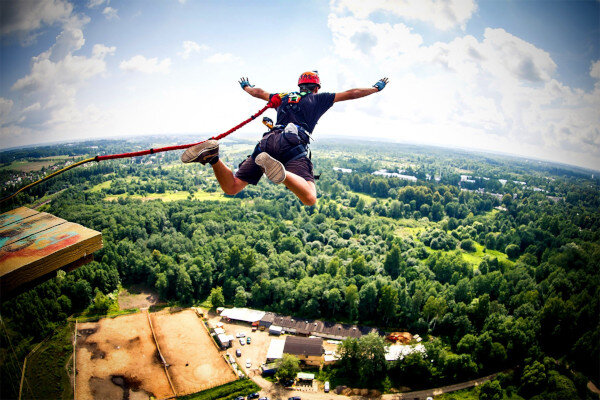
521, 77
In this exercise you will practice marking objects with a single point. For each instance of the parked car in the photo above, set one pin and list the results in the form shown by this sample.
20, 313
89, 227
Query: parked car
238, 353
253, 395
240, 334
294, 398
326, 388
242, 342
248, 365
248, 340
263, 398
239, 398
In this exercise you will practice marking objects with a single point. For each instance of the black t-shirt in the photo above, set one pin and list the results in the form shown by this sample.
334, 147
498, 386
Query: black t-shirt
305, 110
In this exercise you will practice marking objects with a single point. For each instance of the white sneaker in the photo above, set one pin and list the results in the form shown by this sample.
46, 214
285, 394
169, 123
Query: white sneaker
274, 170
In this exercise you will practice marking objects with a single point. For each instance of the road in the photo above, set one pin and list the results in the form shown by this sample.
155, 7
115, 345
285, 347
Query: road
274, 391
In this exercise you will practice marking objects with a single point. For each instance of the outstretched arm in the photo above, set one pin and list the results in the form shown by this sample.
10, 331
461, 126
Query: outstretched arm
252, 91
358, 93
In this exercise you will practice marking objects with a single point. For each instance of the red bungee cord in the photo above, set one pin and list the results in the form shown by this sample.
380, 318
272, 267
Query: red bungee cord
273, 103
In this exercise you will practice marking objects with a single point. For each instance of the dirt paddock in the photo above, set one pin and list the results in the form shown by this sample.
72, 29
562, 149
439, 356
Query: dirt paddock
195, 364
118, 358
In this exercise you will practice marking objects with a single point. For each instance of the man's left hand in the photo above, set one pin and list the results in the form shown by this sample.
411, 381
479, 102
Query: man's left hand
245, 82
381, 84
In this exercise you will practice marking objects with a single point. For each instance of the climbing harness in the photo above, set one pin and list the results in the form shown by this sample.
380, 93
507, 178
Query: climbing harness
274, 102
293, 135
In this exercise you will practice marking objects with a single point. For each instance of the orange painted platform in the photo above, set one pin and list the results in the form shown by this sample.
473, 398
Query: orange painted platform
33, 244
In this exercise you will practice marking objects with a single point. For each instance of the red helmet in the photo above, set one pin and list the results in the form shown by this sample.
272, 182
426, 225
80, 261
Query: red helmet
309, 77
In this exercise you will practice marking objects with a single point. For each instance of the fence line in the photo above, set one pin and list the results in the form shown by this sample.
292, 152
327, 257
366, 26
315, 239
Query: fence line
165, 365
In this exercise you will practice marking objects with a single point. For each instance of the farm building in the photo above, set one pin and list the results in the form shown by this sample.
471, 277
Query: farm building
308, 350
324, 329
242, 314
275, 351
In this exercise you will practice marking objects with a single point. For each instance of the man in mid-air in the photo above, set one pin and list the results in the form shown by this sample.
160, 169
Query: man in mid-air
282, 154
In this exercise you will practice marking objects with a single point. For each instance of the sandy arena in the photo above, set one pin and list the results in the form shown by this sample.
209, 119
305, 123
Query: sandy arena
118, 358
195, 364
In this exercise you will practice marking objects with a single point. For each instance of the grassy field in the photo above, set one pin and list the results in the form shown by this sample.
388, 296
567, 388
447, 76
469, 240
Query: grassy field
100, 186
475, 257
172, 196
46, 373
228, 391
366, 198
36, 165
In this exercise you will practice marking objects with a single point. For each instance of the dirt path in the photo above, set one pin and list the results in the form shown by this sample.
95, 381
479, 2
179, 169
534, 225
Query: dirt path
272, 390
423, 394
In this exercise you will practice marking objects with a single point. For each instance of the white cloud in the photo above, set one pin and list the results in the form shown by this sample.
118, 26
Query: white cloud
190, 47
110, 13
443, 14
356, 38
48, 92
5, 107
595, 69
22, 17
499, 92
219, 58
96, 3
145, 65
34, 107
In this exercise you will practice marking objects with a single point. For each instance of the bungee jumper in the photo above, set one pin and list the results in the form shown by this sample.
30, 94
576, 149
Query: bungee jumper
282, 153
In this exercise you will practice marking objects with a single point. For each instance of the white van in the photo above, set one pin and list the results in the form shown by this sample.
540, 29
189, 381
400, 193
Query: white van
326, 387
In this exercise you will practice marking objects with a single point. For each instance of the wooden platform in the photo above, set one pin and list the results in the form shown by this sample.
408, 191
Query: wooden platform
34, 244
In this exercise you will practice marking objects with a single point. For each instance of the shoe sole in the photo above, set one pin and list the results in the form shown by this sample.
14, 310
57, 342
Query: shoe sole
191, 154
273, 168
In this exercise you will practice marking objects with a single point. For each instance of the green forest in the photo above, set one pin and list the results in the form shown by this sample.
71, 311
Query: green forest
493, 260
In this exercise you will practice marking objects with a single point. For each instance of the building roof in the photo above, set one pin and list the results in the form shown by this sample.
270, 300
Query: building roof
275, 349
315, 327
306, 376
297, 345
243, 314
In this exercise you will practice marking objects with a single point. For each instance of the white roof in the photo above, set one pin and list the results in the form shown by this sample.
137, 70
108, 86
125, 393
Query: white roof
275, 349
225, 338
243, 314
219, 331
275, 328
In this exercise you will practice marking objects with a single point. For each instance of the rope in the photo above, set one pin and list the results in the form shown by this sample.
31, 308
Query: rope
273, 103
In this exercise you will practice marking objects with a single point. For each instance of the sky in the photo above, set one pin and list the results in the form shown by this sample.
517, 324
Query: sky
517, 77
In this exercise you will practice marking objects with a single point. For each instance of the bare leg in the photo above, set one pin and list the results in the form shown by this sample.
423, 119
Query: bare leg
229, 183
305, 190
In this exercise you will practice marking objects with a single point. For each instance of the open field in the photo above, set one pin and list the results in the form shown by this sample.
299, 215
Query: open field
195, 364
117, 358
137, 297
475, 257
28, 166
172, 196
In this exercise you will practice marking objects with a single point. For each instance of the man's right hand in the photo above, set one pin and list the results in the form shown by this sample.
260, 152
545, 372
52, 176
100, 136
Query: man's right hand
381, 84
245, 82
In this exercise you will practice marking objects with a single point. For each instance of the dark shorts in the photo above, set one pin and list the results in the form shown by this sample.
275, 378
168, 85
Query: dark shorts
251, 173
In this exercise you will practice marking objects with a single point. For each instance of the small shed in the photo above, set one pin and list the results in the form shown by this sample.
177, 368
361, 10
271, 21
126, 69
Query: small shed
275, 330
225, 340
305, 376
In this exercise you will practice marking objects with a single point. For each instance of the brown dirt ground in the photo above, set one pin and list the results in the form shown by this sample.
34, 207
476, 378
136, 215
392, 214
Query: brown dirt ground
137, 297
195, 363
117, 358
